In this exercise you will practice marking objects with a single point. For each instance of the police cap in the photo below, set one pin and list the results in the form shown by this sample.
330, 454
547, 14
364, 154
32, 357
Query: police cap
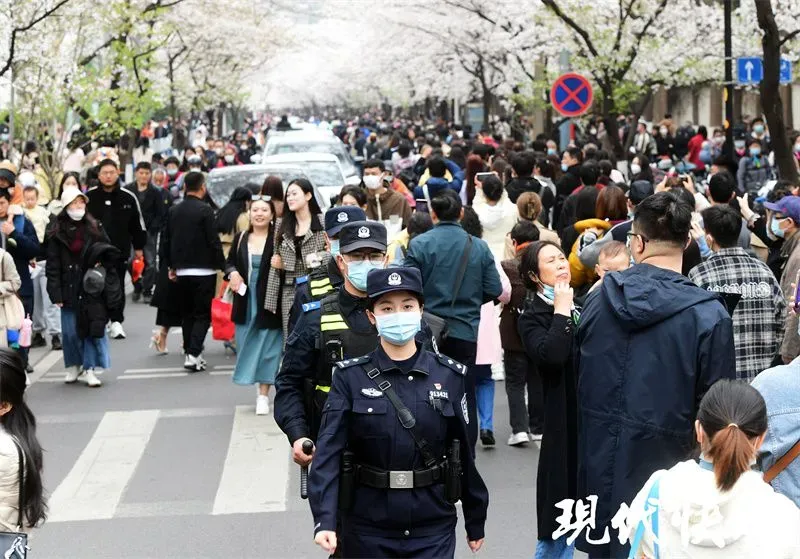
338, 217
362, 234
386, 280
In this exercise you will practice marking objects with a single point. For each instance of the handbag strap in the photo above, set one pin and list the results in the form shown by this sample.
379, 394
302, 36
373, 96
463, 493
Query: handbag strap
462, 269
637, 538
21, 482
781, 464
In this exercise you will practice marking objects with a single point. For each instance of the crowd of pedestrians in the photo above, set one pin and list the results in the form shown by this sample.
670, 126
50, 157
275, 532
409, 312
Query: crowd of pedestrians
627, 305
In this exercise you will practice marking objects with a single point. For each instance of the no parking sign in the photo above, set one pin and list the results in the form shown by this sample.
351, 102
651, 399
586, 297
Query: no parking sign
571, 95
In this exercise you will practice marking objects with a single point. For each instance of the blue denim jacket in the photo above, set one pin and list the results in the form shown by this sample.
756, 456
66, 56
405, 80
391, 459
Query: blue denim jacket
780, 387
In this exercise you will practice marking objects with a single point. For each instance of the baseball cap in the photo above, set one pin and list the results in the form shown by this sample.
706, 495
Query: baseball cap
788, 206
640, 190
336, 218
69, 195
362, 234
386, 280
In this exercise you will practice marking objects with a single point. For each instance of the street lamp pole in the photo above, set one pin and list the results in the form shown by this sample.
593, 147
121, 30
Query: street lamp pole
728, 148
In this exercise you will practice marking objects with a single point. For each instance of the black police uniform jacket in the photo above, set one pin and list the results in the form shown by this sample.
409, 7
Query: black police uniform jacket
358, 417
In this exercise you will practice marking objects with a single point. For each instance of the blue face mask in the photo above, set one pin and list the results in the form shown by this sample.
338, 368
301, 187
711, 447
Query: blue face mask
549, 293
398, 328
551, 151
755, 152
357, 273
334, 247
564, 167
775, 227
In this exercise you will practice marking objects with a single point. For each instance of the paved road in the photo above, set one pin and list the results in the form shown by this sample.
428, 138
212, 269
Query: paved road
161, 464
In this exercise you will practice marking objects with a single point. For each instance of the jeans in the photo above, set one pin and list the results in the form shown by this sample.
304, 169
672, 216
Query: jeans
464, 352
196, 293
521, 372
554, 549
148, 280
89, 352
484, 394
46, 315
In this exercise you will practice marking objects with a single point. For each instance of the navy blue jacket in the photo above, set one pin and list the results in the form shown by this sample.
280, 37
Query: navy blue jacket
436, 184
359, 418
437, 254
651, 343
27, 248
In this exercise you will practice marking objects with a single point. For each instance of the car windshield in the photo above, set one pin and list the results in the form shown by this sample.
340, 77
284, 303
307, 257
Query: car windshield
222, 185
323, 173
308, 147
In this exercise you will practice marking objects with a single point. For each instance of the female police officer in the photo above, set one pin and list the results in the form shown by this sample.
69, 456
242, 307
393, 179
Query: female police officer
392, 454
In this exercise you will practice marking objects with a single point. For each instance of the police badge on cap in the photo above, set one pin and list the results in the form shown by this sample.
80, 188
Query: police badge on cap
338, 217
382, 281
362, 234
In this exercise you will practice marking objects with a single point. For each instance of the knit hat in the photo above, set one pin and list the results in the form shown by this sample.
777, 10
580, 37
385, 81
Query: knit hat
8, 171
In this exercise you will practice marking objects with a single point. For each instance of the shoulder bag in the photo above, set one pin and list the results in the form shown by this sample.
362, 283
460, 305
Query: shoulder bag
12, 305
782, 464
14, 545
437, 324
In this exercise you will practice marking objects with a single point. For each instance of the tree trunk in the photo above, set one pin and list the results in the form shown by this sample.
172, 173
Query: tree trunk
610, 120
771, 102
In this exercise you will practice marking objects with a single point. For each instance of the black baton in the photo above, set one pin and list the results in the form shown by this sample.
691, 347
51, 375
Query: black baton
308, 448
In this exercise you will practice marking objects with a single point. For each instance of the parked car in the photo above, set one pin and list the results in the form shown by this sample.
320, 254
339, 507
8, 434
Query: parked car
323, 169
223, 181
312, 142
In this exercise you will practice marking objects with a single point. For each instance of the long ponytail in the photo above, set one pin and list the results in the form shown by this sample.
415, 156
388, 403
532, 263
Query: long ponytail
20, 423
732, 414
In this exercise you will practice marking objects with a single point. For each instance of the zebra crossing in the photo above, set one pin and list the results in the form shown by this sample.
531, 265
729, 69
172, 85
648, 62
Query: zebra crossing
252, 478
146, 374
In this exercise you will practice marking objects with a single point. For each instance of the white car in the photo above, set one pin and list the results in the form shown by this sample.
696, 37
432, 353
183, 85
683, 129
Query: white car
323, 169
306, 142
223, 181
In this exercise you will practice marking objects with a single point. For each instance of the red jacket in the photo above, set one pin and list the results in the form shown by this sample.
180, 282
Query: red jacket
695, 145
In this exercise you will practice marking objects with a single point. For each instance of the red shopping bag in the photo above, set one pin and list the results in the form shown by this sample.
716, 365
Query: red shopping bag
222, 327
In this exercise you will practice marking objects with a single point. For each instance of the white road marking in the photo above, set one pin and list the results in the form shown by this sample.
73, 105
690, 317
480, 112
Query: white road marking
44, 364
155, 370
94, 487
155, 375
256, 472
224, 367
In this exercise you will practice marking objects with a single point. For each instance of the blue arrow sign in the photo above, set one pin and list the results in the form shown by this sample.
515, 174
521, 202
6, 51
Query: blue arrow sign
786, 71
749, 70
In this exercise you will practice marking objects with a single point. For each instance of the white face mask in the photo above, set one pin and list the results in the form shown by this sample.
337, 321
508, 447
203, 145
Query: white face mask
229, 158
76, 214
635, 169
372, 182
663, 130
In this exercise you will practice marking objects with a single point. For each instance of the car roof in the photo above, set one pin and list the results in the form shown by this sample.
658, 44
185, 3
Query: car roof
251, 168
302, 157
305, 137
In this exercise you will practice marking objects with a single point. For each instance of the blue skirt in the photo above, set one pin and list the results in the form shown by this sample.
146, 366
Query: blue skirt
258, 351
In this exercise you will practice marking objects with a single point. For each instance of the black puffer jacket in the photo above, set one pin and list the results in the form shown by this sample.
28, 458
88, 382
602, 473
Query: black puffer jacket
64, 268
94, 309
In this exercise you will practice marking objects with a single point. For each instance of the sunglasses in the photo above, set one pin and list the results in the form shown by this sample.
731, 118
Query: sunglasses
264, 197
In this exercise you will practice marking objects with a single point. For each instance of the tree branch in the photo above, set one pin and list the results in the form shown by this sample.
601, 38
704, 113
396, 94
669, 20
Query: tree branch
789, 37
634, 50
573, 24
27, 27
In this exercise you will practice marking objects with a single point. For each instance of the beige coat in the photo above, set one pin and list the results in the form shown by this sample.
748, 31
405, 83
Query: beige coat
9, 284
9, 484
791, 341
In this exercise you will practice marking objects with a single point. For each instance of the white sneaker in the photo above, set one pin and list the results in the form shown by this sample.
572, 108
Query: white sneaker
262, 405
517, 439
201, 362
535, 437
73, 374
191, 364
115, 331
90, 379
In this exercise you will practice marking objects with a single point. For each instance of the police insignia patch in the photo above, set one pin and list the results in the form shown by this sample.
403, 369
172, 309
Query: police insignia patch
371, 392
437, 386
395, 279
464, 409
342, 217
363, 233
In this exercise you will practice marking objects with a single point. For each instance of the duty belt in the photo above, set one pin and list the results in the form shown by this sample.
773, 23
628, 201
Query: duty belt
399, 479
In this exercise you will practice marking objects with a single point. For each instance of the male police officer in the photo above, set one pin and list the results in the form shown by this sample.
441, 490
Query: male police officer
328, 331
324, 279
381, 487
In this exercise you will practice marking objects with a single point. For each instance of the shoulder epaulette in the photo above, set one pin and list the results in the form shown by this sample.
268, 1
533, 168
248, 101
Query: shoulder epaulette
312, 306
352, 362
452, 364
301, 280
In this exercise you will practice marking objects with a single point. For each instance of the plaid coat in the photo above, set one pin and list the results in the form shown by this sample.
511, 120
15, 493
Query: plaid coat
759, 318
313, 243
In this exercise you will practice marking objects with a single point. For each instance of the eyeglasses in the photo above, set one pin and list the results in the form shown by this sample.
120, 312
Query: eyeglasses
631, 235
257, 197
372, 257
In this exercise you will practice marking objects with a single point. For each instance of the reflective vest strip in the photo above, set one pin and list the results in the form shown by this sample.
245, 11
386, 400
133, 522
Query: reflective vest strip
320, 283
316, 291
333, 326
331, 318
323, 388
